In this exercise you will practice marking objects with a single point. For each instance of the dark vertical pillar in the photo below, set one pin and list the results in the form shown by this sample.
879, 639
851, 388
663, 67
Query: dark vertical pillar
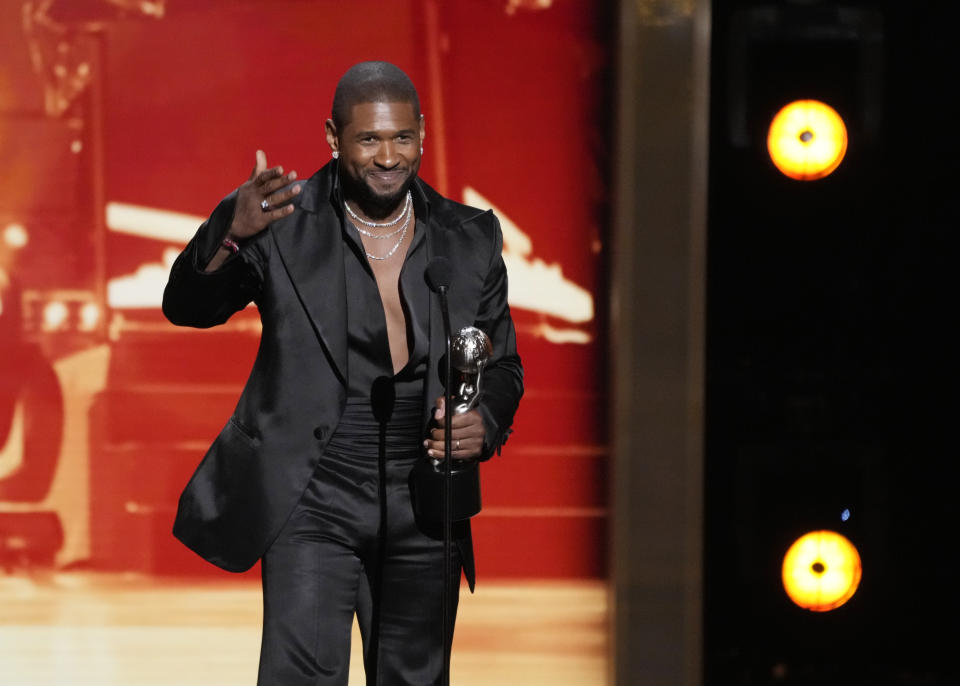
657, 341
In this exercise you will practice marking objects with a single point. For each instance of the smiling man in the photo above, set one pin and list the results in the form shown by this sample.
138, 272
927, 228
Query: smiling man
311, 472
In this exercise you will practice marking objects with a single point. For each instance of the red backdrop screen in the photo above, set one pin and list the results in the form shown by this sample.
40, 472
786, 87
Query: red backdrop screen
123, 124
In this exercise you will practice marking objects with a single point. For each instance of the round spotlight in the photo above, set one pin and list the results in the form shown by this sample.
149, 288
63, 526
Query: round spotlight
821, 571
15, 235
55, 315
807, 140
89, 317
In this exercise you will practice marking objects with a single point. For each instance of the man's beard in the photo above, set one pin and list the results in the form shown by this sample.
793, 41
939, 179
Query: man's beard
375, 205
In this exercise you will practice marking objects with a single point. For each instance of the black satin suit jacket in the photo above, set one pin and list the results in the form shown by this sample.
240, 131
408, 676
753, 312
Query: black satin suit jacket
257, 468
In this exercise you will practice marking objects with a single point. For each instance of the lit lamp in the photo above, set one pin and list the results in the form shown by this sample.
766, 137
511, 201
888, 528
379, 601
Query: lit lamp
15, 235
821, 571
807, 140
55, 315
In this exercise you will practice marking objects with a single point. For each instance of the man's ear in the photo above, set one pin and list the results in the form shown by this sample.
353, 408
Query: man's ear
423, 129
332, 139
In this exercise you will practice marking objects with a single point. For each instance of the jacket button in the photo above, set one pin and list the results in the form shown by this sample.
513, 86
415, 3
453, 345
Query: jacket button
318, 433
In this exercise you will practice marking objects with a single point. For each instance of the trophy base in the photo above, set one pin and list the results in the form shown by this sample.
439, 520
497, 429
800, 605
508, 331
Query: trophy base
426, 486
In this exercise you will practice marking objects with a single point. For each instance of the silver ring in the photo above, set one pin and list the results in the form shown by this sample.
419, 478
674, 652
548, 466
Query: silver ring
264, 205
458, 444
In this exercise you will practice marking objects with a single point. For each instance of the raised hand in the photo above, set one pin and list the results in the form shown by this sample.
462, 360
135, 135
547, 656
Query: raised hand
251, 215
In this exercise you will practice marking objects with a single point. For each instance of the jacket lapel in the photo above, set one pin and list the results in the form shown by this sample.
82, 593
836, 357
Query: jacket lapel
435, 245
310, 246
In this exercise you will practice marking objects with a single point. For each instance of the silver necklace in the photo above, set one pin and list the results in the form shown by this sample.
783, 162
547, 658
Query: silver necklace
380, 236
403, 234
383, 225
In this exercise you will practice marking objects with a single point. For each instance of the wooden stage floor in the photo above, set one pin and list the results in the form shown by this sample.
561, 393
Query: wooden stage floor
88, 629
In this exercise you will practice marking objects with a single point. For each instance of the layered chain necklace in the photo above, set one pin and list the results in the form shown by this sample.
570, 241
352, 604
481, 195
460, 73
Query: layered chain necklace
403, 216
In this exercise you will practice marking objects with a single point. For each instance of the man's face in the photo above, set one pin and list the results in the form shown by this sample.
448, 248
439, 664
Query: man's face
379, 153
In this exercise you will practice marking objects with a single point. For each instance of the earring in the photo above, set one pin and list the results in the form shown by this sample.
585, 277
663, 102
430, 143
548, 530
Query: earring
336, 154
421, 150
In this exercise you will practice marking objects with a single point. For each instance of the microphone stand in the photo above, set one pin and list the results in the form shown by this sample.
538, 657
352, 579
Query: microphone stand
447, 486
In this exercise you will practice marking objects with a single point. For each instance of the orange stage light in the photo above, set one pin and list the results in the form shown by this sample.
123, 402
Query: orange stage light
821, 571
89, 317
807, 140
55, 315
15, 235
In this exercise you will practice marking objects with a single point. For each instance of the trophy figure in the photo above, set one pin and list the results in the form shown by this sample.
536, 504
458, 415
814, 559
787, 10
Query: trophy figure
471, 349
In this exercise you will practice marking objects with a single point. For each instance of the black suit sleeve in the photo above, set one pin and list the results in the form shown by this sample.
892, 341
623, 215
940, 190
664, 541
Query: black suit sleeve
502, 384
202, 299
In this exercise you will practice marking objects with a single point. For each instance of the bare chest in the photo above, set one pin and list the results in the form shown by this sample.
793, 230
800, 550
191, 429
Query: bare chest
386, 272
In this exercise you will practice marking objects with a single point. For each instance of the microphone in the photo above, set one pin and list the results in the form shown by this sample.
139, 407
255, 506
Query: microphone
439, 273
448, 490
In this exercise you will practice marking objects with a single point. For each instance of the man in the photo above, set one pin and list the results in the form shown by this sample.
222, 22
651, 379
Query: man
311, 471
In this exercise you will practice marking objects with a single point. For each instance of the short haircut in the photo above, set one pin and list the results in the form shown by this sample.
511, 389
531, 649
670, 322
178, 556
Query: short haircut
372, 82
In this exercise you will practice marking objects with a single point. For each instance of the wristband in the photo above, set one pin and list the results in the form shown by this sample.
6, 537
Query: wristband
230, 245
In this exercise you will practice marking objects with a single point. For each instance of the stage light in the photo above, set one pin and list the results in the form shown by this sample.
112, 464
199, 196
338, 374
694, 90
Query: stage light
55, 315
532, 5
821, 571
89, 317
15, 235
807, 140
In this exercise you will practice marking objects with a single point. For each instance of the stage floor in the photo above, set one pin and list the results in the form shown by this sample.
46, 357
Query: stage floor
87, 629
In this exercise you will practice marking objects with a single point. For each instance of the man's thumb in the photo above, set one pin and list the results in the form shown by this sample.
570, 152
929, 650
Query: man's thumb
260, 166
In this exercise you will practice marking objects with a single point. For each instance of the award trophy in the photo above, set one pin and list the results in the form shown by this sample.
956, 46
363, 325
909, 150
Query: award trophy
471, 349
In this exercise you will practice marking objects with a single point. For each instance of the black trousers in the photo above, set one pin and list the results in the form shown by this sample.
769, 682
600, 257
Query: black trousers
352, 546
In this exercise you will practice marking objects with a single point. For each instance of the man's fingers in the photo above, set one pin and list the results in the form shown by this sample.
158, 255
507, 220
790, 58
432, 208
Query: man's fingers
279, 213
277, 182
459, 421
281, 198
471, 431
461, 448
278, 199
437, 437
467, 434
267, 175
466, 419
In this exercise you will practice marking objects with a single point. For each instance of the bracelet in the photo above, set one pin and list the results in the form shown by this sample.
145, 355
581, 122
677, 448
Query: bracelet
231, 245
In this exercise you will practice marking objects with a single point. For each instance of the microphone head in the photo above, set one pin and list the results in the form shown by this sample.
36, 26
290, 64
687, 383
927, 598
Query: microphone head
439, 273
